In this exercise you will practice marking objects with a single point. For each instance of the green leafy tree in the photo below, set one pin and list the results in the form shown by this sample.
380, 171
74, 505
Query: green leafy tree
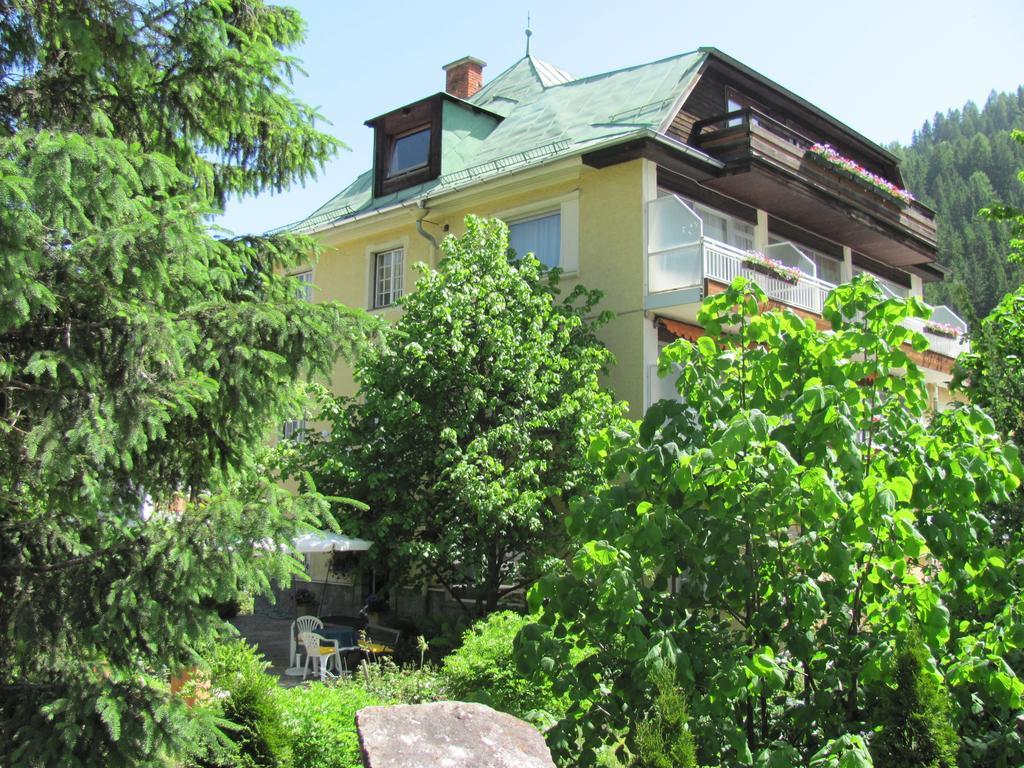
143, 362
990, 375
914, 715
775, 535
471, 421
483, 669
990, 372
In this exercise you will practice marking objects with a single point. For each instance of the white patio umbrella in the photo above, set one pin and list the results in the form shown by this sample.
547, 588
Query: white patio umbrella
316, 542
327, 541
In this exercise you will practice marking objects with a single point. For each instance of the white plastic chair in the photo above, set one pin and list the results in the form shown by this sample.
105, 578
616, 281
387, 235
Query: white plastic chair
300, 625
319, 651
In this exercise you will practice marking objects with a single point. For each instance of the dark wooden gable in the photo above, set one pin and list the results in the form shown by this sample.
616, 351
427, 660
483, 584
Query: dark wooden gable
422, 114
720, 78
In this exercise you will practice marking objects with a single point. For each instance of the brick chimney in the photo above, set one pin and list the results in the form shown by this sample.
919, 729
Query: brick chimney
464, 77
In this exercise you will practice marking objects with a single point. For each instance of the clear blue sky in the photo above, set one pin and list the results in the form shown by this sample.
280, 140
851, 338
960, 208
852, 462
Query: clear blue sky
881, 66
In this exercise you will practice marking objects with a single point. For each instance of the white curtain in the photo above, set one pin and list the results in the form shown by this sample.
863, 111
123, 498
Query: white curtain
541, 236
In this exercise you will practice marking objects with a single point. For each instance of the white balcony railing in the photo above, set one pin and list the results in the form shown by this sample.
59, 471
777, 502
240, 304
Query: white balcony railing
945, 330
723, 264
679, 257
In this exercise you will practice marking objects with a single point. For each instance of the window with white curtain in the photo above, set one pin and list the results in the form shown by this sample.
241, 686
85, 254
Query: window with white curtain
539, 235
725, 228
295, 429
387, 277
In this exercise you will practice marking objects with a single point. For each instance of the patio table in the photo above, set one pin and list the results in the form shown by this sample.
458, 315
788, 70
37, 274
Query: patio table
346, 636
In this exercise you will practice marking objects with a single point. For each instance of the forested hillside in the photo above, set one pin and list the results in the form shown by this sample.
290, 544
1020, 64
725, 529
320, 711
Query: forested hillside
958, 163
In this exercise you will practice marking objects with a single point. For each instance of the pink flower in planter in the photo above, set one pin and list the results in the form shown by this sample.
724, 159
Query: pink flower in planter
774, 267
827, 153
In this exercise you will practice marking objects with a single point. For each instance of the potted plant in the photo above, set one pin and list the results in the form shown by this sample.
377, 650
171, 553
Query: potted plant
942, 329
826, 155
758, 262
305, 602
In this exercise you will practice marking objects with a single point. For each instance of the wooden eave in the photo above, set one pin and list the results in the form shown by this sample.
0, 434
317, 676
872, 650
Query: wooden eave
767, 165
658, 152
784, 104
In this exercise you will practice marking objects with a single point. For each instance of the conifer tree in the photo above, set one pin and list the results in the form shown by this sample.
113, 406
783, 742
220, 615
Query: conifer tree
915, 730
143, 362
960, 162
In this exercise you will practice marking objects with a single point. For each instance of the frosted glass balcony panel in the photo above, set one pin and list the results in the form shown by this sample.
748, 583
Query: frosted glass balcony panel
946, 316
677, 268
671, 224
792, 256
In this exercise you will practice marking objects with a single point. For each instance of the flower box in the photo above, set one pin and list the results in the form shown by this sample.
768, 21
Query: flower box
826, 155
771, 267
942, 329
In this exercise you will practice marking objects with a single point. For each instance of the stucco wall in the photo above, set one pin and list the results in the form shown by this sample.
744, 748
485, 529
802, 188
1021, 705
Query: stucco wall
610, 251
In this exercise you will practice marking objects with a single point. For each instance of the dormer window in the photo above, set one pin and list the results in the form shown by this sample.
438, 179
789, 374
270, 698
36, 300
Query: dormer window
407, 142
407, 146
409, 152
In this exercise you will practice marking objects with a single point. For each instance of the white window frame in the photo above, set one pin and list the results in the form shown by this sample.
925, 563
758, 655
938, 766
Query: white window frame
305, 291
733, 225
382, 298
547, 214
568, 208
295, 429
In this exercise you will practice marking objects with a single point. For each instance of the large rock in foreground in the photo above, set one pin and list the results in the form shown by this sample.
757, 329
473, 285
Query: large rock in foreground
448, 734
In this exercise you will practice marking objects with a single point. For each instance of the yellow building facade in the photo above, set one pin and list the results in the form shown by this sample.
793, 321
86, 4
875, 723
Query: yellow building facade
626, 166
656, 184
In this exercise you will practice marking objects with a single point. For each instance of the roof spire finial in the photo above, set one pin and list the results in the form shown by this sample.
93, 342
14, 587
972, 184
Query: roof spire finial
529, 33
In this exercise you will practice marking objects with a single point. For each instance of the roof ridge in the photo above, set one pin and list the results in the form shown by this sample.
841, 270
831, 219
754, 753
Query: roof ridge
550, 75
490, 84
596, 75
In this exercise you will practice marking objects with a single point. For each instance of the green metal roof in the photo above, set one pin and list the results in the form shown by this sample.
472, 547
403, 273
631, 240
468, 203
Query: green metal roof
547, 113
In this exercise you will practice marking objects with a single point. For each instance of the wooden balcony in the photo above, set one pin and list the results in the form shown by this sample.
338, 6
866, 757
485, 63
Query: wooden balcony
768, 165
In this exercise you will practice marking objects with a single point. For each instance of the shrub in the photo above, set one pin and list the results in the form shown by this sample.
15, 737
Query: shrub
914, 717
663, 739
321, 720
484, 670
405, 684
238, 670
445, 633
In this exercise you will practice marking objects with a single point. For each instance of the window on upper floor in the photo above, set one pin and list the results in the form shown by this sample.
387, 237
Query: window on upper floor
735, 101
295, 429
387, 277
407, 146
540, 235
408, 152
549, 229
305, 290
725, 228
